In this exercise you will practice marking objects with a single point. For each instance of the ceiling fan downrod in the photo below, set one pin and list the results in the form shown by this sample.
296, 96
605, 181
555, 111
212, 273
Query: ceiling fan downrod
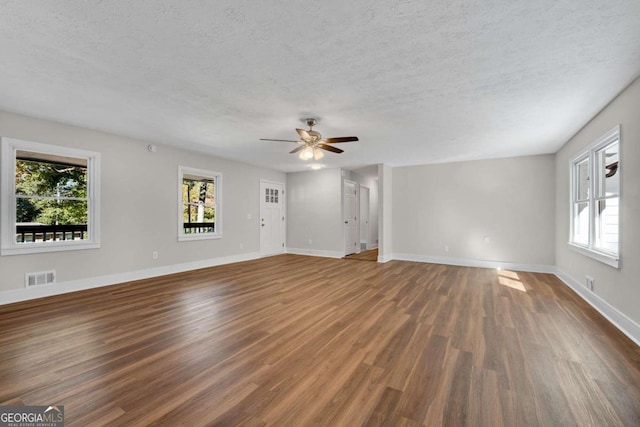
311, 122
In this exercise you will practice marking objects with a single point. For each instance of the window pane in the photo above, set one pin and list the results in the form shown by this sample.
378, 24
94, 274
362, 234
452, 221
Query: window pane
51, 211
607, 168
606, 236
185, 212
40, 220
195, 216
40, 174
199, 203
582, 180
209, 214
196, 212
198, 191
581, 223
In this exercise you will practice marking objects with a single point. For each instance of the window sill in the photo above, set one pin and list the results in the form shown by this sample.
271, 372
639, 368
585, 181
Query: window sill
605, 258
47, 247
203, 236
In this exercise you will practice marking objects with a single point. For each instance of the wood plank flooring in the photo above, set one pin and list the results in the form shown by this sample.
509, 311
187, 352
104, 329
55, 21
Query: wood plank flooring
296, 341
369, 255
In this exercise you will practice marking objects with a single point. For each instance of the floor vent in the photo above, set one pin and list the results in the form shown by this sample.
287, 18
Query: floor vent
40, 278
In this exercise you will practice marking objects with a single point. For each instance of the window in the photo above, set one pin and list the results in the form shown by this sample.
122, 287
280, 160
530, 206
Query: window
595, 199
50, 198
200, 196
271, 195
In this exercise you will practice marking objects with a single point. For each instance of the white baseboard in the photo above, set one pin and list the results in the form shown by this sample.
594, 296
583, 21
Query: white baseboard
263, 255
17, 295
372, 246
463, 262
315, 252
384, 258
617, 318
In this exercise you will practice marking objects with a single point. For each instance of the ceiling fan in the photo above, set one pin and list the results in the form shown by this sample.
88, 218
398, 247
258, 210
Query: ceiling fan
312, 142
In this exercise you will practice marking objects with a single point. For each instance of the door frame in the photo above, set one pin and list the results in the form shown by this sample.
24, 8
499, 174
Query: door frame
357, 220
368, 236
284, 214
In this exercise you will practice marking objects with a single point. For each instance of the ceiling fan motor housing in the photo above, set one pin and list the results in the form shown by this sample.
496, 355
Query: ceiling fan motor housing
315, 136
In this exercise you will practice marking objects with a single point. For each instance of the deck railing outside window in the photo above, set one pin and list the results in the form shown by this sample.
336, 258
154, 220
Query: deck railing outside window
26, 233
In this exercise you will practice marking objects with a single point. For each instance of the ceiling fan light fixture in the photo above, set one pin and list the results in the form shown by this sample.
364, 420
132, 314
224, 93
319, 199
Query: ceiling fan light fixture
317, 154
306, 154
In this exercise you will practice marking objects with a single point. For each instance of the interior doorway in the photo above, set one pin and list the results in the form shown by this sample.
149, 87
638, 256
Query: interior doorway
350, 216
365, 232
369, 255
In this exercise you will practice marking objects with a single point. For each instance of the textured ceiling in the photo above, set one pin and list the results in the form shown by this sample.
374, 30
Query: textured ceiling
418, 82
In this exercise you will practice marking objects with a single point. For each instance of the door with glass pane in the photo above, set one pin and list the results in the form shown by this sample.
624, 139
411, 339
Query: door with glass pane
271, 218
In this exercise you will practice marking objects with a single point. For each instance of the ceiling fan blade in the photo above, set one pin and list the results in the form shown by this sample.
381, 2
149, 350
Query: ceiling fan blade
282, 140
298, 148
341, 139
330, 148
304, 134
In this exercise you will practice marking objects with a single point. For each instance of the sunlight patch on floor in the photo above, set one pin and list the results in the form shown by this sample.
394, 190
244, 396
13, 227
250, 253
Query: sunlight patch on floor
510, 279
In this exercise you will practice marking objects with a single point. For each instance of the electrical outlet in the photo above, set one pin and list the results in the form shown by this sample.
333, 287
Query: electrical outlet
590, 282
446, 248
310, 242
154, 255
241, 245
249, 216
487, 239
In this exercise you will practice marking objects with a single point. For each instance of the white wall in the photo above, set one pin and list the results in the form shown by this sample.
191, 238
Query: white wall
314, 213
314, 209
509, 201
139, 207
620, 288
385, 213
373, 214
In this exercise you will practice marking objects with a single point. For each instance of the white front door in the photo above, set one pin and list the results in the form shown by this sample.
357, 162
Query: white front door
364, 217
271, 218
350, 218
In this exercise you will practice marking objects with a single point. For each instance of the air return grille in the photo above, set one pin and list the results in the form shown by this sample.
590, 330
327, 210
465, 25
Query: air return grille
40, 278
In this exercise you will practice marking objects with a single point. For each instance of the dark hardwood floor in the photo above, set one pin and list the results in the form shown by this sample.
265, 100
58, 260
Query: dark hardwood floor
296, 341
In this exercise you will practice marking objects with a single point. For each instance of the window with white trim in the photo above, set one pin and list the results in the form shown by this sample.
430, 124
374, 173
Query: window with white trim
595, 199
199, 205
50, 198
